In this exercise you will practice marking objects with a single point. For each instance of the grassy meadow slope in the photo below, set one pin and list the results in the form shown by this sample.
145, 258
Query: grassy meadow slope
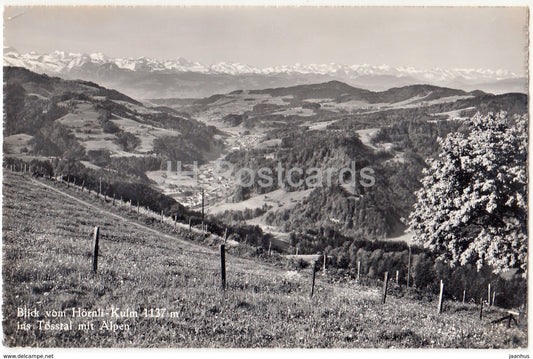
47, 255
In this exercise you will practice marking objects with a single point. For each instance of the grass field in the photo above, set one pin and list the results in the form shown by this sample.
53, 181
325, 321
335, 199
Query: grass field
47, 257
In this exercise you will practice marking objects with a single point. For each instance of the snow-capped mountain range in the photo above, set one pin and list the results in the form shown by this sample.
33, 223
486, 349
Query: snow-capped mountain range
98, 67
60, 61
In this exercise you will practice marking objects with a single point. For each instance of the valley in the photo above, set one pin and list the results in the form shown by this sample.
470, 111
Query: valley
324, 126
343, 162
257, 121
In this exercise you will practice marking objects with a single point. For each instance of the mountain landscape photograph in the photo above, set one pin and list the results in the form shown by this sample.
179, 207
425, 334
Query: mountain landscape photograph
265, 177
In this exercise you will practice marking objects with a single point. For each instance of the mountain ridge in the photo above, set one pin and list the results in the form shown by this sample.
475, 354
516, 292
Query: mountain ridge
335, 88
181, 64
141, 77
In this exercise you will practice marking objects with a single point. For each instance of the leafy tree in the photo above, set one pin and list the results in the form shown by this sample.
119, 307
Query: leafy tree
343, 261
472, 207
128, 141
110, 127
423, 274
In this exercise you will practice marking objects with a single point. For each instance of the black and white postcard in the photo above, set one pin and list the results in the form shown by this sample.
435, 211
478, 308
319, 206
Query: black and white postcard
297, 177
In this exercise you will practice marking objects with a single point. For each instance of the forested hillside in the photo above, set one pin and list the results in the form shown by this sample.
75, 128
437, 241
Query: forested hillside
83, 121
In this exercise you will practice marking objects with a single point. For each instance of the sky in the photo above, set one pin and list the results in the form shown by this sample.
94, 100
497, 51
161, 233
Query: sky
421, 37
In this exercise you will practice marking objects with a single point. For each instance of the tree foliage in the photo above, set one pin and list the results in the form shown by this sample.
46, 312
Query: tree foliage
472, 207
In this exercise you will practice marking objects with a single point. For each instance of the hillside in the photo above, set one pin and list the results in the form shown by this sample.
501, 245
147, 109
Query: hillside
334, 100
47, 250
317, 125
341, 92
88, 122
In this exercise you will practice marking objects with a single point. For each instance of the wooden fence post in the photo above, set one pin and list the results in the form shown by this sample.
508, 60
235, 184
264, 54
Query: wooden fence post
202, 208
488, 296
409, 267
161, 216
385, 283
358, 269
190, 224
313, 281
481, 309
226, 235
493, 296
223, 265
397, 277
464, 295
440, 296
113, 199
95, 256
269, 246
325, 261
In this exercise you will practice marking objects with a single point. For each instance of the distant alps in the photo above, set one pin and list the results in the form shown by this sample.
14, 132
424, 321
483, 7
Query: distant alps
144, 77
